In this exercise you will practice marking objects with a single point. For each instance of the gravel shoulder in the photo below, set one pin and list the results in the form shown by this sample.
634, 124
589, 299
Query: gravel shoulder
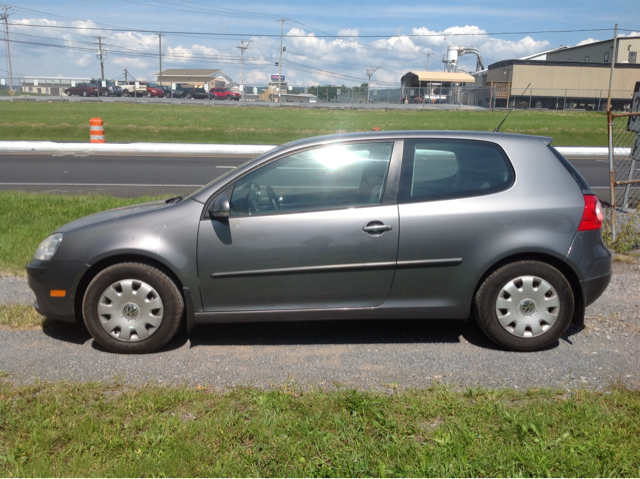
376, 355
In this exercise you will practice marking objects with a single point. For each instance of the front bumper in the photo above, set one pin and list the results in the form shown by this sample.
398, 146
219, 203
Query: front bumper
47, 276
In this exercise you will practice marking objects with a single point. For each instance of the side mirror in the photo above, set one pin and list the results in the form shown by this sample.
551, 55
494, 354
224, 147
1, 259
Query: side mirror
220, 207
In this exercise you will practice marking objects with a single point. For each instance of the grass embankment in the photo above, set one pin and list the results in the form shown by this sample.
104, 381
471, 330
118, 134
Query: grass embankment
109, 430
190, 124
28, 218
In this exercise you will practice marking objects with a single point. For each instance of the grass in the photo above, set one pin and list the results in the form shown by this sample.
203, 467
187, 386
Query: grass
20, 316
28, 218
180, 123
109, 430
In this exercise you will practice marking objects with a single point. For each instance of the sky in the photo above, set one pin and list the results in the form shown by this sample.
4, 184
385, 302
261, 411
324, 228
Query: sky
327, 42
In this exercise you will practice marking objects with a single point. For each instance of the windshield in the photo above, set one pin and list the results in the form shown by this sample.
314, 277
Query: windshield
154, 85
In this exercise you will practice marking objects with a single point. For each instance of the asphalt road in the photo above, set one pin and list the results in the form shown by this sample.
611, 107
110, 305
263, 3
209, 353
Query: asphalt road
156, 175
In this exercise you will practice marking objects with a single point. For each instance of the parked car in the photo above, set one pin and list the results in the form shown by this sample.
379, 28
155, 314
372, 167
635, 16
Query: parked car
224, 94
84, 89
154, 90
129, 88
418, 225
111, 88
198, 93
182, 89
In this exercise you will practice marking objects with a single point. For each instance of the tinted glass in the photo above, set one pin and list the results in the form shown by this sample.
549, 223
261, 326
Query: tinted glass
437, 169
323, 178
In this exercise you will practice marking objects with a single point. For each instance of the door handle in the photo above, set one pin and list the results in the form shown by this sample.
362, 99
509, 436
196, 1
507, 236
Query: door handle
376, 227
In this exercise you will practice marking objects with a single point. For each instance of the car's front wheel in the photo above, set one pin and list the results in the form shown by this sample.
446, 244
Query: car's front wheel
132, 308
525, 306
125, 93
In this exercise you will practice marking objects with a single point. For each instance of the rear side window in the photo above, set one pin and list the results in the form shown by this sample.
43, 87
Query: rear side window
438, 169
584, 186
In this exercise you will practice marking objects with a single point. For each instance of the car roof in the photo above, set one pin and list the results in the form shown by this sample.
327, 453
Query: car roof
408, 134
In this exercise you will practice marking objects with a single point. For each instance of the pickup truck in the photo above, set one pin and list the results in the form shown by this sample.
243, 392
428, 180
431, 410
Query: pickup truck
224, 94
129, 88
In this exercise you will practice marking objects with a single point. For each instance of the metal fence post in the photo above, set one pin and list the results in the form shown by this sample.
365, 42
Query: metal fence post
612, 178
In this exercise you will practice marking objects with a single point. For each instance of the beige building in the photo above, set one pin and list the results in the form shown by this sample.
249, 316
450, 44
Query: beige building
567, 78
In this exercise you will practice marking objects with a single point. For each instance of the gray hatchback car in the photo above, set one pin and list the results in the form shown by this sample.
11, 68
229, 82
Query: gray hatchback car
420, 224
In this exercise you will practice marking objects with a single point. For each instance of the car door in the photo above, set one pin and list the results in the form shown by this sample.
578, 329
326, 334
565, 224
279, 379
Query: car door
454, 201
316, 229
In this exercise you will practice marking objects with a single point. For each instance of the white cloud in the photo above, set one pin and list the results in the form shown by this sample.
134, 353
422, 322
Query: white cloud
587, 42
182, 54
130, 62
85, 27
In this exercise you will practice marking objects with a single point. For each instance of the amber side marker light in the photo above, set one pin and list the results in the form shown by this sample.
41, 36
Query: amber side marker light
58, 293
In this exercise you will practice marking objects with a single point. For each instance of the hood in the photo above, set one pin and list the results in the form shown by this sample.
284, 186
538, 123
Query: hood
111, 215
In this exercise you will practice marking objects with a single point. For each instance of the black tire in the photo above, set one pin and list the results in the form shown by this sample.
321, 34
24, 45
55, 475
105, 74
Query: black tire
125, 93
84, 93
162, 288
148, 94
531, 282
188, 96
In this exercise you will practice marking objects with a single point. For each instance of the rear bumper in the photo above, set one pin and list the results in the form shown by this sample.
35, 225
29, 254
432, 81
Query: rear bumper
592, 260
45, 276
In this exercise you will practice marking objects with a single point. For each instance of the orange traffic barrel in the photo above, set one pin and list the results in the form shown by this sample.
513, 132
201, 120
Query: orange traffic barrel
96, 130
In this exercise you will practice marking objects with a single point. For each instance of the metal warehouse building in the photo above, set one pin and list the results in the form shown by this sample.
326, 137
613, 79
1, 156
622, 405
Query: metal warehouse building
568, 78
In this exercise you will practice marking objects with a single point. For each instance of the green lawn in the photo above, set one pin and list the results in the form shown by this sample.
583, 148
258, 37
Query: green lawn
28, 218
197, 124
107, 430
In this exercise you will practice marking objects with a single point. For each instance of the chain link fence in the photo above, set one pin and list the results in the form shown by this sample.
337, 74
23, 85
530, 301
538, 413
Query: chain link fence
624, 170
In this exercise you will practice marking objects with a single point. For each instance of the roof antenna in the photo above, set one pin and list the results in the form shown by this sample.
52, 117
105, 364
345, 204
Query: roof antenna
514, 107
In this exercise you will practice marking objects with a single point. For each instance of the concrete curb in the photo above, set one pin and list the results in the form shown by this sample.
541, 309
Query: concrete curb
207, 149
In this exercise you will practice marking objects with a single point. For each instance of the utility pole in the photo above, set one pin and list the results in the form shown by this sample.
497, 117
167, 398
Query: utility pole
5, 17
100, 53
126, 75
282, 20
242, 49
370, 72
160, 35
428, 55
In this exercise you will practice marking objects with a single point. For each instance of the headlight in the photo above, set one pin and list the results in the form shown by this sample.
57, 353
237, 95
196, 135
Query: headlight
48, 247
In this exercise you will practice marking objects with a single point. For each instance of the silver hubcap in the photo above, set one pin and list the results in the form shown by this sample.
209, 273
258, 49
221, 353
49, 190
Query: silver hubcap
130, 310
527, 306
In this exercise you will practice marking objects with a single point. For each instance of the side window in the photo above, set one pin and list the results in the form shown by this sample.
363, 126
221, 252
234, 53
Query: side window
339, 176
438, 169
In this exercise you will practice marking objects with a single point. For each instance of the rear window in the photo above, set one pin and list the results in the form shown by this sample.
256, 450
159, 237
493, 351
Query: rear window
572, 171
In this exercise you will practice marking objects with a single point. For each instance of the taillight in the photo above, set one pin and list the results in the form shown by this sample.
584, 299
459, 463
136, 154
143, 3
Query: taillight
592, 215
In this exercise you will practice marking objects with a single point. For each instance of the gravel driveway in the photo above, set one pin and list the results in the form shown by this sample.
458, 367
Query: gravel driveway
366, 355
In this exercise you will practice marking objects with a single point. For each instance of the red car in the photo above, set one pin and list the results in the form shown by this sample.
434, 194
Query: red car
153, 89
83, 89
224, 94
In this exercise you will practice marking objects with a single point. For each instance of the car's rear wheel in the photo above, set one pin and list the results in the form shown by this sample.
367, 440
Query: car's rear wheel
525, 306
132, 308
148, 94
84, 93
188, 96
